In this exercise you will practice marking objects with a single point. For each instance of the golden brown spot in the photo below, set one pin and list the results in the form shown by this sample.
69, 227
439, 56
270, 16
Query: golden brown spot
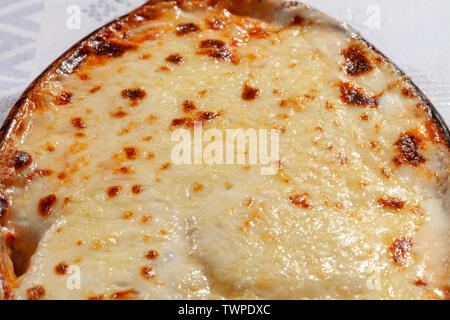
196, 187
119, 114
380, 60
250, 93
206, 115
61, 268
78, 147
182, 122
340, 205
188, 106
78, 123
187, 28
375, 145
62, 176
137, 188
277, 92
356, 96
165, 166
113, 191
215, 24
386, 172
63, 99
249, 202
131, 125
434, 132
127, 215
363, 183
258, 33
124, 170
21, 160
145, 56
356, 63
343, 160
417, 211
281, 130
400, 249
391, 203
164, 68
99, 297
409, 93
148, 272
151, 254
135, 95
151, 119
50, 147
296, 103
408, 147
96, 244
202, 93
421, 107
131, 153
46, 204
329, 106
146, 219
36, 292
151, 156
364, 117
124, 295
175, 59
218, 50
101, 47
283, 116
95, 89
147, 139
420, 283
301, 200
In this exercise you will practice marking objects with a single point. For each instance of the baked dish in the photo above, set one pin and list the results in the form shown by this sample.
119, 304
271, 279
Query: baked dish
93, 207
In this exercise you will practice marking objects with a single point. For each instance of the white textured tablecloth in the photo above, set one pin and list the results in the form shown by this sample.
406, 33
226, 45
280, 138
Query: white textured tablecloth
415, 34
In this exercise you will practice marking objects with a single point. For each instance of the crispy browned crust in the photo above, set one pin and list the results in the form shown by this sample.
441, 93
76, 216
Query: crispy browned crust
69, 61
262, 9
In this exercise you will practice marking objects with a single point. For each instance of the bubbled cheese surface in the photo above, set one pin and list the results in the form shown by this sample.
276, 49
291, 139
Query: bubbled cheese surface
225, 231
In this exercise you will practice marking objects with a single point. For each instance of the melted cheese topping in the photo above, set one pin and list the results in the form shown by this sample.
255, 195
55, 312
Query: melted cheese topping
341, 219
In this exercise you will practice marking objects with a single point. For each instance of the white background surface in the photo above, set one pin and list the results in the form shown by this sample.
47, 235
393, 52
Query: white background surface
415, 34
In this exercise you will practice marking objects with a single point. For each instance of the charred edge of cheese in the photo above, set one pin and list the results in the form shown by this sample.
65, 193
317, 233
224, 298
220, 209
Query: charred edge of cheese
111, 41
436, 116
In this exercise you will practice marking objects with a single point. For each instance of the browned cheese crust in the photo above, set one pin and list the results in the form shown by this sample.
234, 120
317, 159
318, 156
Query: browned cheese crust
258, 20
